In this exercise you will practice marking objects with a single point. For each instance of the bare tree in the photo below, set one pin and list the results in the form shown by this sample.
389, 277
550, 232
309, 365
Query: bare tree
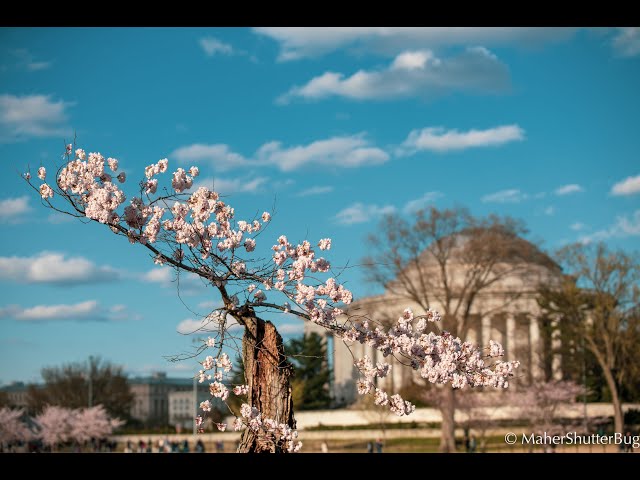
196, 234
597, 306
446, 259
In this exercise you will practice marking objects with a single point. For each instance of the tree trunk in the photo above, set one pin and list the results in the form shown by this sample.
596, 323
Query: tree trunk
618, 418
447, 429
267, 373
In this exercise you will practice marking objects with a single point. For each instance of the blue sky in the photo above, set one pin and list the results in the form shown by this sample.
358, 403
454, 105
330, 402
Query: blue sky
334, 127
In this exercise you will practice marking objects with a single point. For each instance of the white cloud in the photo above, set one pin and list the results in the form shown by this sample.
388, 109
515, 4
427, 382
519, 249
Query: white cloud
317, 190
624, 226
228, 186
549, 210
300, 42
54, 269
89, 310
291, 328
346, 151
569, 189
577, 226
210, 304
212, 46
361, 213
13, 209
411, 74
48, 312
189, 326
217, 155
628, 186
28, 62
425, 200
32, 116
438, 139
210, 324
36, 66
627, 42
505, 196
160, 275
188, 283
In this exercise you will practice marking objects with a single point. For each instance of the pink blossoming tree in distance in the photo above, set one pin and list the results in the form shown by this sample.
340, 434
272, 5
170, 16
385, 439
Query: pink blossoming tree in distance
60, 425
196, 232
12, 428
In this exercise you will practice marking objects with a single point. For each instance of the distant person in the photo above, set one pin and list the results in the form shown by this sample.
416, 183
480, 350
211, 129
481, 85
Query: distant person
370, 447
473, 444
379, 445
199, 446
185, 446
324, 447
129, 447
219, 446
149, 446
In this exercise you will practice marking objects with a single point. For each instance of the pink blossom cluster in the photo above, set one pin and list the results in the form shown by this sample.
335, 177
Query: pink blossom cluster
92, 186
267, 427
439, 358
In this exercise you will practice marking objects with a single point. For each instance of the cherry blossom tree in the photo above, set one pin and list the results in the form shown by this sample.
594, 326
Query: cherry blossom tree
191, 230
12, 428
55, 424
92, 423
539, 402
60, 425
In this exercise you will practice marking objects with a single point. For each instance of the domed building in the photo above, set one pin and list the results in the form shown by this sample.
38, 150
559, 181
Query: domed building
494, 300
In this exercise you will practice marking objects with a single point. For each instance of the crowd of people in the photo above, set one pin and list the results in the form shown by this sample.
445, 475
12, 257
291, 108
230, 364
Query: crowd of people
169, 446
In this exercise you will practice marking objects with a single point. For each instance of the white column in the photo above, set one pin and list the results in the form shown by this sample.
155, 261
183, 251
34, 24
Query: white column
486, 331
534, 340
556, 343
511, 337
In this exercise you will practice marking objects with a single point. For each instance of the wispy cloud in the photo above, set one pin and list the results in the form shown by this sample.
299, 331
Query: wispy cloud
342, 151
411, 74
505, 196
32, 116
27, 61
188, 283
361, 213
624, 226
54, 269
90, 311
228, 186
217, 155
212, 46
424, 201
568, 189
438, 139
291, 328
318, 190
300, 42
577, 226
13, 210
208, 324
627, 41
345, 151
628, 186
550, 210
